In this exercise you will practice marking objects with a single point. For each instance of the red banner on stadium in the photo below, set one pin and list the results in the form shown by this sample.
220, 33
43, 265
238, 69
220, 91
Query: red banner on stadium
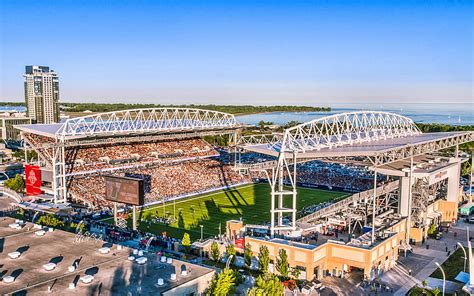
240, 243
33, 179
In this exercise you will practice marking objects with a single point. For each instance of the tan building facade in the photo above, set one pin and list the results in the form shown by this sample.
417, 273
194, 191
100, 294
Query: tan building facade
42, 94
336, 257
8, 132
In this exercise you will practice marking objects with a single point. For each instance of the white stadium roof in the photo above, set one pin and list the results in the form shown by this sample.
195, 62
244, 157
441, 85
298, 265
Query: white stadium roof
359, 148
136, 121
381, 136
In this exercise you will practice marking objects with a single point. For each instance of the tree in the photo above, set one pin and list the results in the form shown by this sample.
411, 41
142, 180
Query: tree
50, 220
230, 250
17, 183
290, 124
295, 272
73, 226
432, 230
282, 263
248, 255
223, 283
263, 259
215, 252
186, 241
262, 124
20, 155
267, 284
424, 283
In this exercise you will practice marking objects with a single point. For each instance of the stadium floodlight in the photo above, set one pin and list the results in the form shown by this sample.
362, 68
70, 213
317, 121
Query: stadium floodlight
444, 276
465, 255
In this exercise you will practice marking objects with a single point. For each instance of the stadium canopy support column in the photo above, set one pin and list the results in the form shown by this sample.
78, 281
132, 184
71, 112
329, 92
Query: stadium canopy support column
272, 209
59, 173
278, 191
294, 192
373, 206
280, 196
410, 200
115, 213
25, 145
134, 223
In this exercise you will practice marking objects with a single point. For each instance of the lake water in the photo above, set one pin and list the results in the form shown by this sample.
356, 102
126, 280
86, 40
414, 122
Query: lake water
453, 114
12, 108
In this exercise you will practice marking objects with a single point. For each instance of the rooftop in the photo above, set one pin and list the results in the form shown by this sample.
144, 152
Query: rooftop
112, 273
136, 121
359, 149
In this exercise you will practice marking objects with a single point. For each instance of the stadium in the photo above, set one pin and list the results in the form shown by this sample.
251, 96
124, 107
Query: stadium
353, 189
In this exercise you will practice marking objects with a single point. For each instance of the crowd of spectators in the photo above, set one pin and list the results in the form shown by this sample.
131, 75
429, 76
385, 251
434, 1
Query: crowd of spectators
92, 158
162, 182
42, 145
174, 168
336, 176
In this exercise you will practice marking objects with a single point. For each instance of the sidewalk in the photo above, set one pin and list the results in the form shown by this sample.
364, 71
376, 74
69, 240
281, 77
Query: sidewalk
428, 268
422, 261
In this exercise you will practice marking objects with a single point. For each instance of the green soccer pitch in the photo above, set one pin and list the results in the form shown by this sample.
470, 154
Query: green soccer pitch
251, 202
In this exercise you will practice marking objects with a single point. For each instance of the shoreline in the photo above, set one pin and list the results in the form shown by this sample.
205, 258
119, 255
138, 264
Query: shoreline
292, 114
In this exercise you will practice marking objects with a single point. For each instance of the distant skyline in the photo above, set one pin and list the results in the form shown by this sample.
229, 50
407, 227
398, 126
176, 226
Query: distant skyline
239, 52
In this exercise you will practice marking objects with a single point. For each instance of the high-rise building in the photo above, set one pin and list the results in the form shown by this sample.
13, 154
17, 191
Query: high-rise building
42, 94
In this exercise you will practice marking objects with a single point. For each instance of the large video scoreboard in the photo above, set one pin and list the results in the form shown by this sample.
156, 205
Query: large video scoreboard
125, 190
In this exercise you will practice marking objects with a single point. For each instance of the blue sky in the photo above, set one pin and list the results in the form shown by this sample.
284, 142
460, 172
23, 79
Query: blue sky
242, 52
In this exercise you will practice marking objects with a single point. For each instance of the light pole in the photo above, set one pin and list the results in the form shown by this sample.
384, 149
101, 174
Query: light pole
444, 276
465, 255
467, 232
202, 226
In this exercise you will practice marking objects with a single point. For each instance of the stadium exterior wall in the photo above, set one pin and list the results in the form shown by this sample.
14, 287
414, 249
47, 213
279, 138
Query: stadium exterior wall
334, 257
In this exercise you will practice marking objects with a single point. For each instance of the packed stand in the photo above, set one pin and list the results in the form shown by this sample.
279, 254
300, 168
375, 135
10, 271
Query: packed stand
94, 158
162, 182
336, 176
42, 145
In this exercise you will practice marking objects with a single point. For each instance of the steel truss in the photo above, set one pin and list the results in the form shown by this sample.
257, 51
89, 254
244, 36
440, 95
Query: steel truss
52, 157
392, 155
279, 193
335, 131
143, 120
347, 129
269, 139
384, 191
423, 196
128, 126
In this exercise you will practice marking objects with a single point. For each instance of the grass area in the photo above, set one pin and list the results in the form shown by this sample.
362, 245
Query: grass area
452, 266
417, 291
251, 202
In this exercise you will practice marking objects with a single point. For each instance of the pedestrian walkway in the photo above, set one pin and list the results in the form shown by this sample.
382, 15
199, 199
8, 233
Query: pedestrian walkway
420, 264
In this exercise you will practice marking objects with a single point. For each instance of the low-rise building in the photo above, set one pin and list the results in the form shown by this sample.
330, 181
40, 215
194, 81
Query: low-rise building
7, 121
40, 261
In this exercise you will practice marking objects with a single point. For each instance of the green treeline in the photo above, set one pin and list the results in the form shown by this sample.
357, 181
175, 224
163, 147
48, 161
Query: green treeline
438, 127
467, 147
14, 104
234, 109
